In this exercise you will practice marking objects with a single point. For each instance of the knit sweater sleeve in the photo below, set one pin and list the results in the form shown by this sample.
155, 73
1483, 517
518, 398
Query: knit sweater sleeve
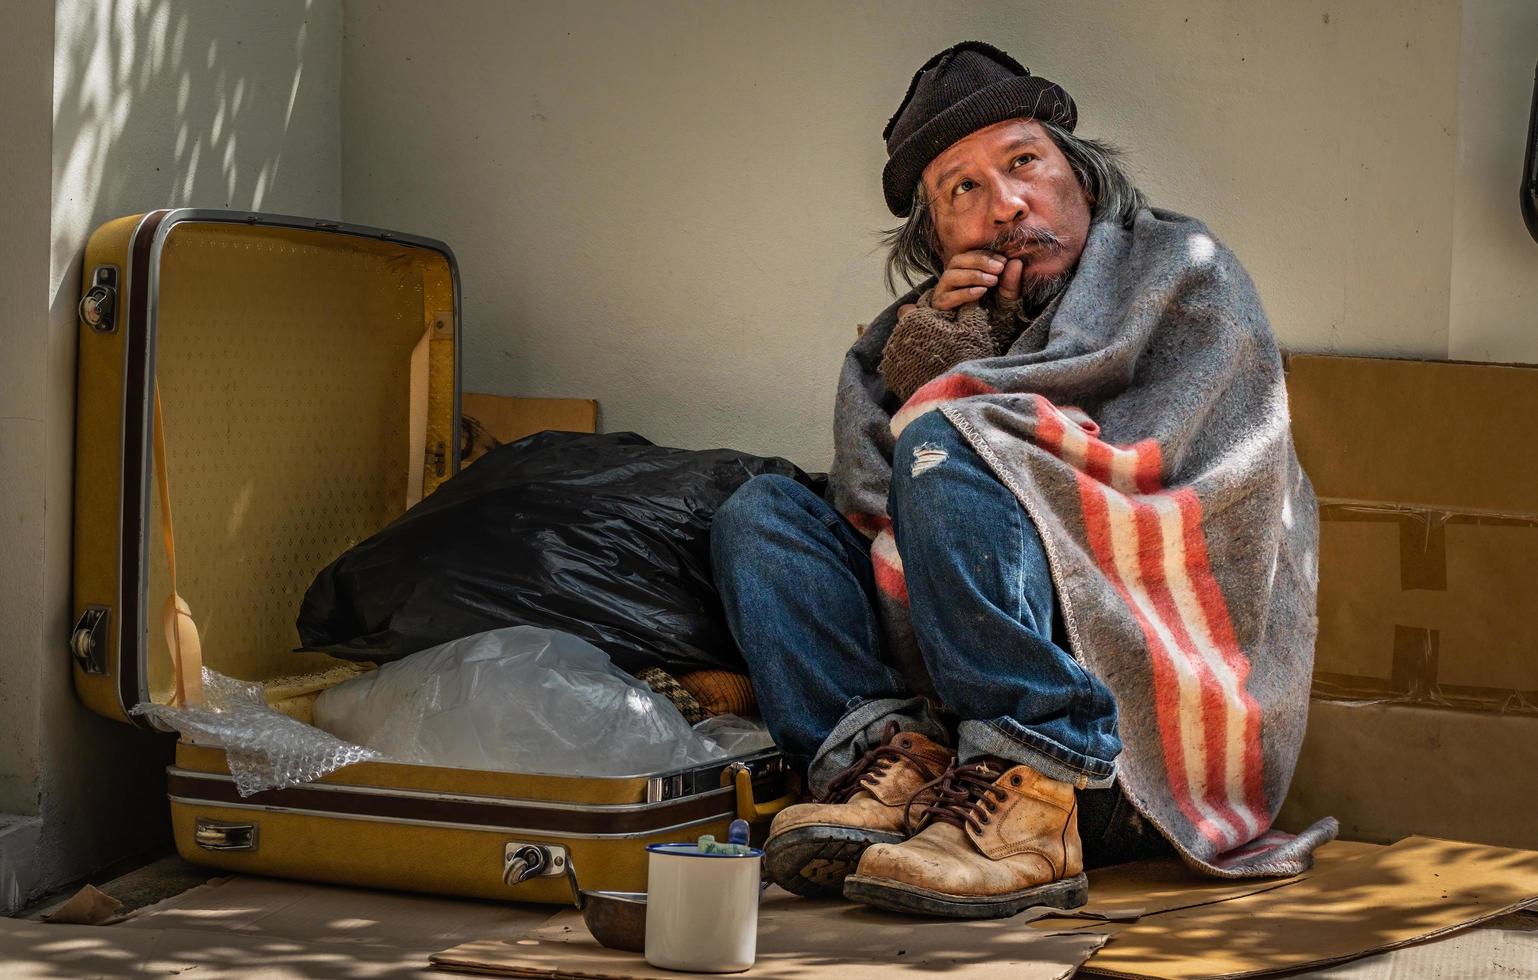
928, 342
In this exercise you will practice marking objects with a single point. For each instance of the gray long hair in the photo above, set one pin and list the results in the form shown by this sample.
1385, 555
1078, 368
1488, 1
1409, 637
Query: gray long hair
913, 248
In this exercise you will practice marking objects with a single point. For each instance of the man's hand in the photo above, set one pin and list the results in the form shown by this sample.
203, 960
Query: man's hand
968, 277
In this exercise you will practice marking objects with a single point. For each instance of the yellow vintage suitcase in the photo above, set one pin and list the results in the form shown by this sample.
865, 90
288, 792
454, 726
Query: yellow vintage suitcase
309, 378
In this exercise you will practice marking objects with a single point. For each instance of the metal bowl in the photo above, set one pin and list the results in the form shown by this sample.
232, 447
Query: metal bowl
616, 919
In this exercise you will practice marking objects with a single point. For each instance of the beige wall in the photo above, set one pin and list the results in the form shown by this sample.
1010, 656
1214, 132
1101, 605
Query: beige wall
25, 27
209, 103
673, 206
1495, 262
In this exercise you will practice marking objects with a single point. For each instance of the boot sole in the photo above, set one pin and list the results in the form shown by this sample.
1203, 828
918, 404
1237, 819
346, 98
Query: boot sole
896, 896
814, 861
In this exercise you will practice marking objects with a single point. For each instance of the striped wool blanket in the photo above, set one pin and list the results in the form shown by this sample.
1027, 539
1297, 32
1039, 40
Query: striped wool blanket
1142, 421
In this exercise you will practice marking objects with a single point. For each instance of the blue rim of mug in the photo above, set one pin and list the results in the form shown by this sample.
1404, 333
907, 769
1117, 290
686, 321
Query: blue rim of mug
686, 849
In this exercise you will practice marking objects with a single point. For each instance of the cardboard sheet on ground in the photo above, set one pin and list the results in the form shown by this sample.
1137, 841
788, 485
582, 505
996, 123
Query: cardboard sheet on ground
330, 914
1410, 891
1511, 954
1150, 887
804, 938
47, 951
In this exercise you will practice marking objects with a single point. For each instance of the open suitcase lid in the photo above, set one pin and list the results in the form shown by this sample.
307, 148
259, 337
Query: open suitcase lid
310, 377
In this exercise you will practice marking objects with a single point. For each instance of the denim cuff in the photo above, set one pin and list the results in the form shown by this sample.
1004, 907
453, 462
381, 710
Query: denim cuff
860, 730
1008, 739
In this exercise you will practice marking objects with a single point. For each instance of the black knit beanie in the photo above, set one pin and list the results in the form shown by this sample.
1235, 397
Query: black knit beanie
964, 88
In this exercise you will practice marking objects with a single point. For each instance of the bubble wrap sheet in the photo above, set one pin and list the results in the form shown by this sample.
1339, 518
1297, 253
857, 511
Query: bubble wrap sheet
266, 749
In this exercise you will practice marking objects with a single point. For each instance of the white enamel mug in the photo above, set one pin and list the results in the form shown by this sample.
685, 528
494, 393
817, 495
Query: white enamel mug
701, 909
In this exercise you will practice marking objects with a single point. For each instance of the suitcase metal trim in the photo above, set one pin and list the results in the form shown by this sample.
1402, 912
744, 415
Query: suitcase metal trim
451, 825
175, 772
766, 767
501, 814
143, 286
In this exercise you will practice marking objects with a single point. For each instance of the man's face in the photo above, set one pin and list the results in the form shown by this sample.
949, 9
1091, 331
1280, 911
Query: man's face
1009, 189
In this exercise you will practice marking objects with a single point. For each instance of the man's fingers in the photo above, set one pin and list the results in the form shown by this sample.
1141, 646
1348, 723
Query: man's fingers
905, 309
959, 286
957, 297
967, 276
958, 278
1009, 282
978, 259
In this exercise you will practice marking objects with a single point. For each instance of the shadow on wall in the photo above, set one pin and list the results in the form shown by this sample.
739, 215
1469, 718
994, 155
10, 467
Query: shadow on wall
210, 103
161, 103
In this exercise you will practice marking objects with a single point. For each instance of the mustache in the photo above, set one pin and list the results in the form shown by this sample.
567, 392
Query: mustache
1020, 236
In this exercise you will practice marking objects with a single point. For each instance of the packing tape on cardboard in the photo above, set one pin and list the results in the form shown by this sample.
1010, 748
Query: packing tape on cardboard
1416, 651
1413, 680
1422, 534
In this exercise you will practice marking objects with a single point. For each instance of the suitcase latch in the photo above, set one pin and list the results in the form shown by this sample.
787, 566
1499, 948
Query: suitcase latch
521, 861
88, 640
217, 835
98, 307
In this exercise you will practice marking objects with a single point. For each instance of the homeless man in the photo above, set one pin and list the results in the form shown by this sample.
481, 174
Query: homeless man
1061, 605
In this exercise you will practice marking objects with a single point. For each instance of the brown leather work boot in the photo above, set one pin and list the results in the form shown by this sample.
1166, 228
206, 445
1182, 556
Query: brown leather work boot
995, 843
813, 846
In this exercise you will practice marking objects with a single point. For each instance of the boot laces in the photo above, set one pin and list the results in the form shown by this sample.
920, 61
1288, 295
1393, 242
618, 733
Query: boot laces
964, 795
874, 764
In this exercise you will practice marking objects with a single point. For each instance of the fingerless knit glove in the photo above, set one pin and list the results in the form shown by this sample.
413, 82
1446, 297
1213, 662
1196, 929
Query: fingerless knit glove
928, 342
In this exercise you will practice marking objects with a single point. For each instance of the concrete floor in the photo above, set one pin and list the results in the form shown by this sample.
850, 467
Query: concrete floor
150, 882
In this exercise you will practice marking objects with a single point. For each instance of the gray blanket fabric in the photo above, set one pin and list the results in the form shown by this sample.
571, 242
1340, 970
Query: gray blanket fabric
1142, 421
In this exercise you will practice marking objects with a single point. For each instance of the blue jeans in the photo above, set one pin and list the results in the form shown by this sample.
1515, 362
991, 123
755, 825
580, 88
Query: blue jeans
799, 592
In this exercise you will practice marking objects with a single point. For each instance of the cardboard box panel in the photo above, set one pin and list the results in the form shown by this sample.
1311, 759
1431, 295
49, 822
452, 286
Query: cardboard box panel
1429, 609
1425, 710
1427, 434
507, 419
1427, 478
1388, 770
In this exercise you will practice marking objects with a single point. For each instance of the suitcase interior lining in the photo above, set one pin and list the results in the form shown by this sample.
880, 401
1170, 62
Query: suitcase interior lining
284, 363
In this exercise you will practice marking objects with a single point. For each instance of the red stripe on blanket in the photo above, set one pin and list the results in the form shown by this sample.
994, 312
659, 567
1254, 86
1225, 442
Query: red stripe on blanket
945, 388
1214, 713
1270, 840
869, 525
1221, 626
887, 567
885, 563
1097, 527
1267, 842
949, 386
1149, 472
1097, 459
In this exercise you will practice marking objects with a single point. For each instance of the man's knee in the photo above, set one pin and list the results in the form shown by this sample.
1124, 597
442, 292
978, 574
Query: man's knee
757, 506
929, 444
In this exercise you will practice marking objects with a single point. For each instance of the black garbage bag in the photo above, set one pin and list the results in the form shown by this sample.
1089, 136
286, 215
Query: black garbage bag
606, 537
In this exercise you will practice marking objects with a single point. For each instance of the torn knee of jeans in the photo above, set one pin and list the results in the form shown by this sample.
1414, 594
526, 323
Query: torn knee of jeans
926, 457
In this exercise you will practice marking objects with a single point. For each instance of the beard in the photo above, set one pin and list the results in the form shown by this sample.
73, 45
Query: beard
1035, 291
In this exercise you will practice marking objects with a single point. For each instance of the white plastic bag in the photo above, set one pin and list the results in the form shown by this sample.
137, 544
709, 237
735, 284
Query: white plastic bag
522, 699
733, 736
